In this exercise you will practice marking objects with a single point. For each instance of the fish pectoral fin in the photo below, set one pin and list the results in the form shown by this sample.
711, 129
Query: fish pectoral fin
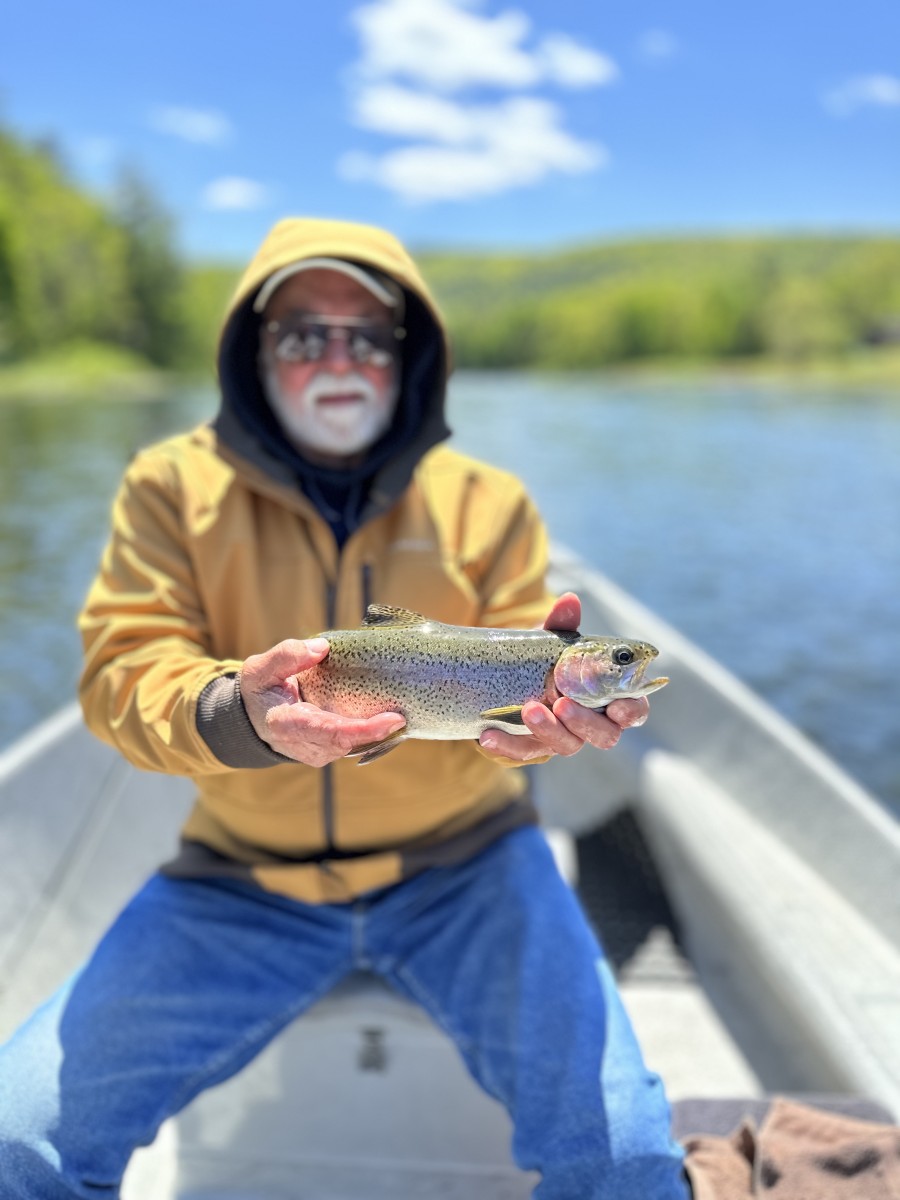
372, 750
388, 614
511, 714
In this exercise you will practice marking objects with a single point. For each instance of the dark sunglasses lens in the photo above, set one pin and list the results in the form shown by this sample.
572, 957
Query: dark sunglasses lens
306, 341
299, 345
375, 346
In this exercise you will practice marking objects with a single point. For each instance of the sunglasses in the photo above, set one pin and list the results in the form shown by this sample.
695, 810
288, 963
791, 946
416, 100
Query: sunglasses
300, 338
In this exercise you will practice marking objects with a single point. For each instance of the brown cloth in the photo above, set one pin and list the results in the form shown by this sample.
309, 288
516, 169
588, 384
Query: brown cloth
798, 1153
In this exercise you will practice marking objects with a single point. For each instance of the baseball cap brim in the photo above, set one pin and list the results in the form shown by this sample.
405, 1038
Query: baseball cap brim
379, 285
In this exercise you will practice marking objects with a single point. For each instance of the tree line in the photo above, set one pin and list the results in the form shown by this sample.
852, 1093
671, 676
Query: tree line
74, 267
707, 298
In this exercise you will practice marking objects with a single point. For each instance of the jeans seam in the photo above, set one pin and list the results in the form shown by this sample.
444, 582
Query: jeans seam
361, 960
465, 1045
194, 1085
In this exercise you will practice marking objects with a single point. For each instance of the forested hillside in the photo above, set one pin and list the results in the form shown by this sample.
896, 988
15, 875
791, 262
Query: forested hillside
794, 298
75, 269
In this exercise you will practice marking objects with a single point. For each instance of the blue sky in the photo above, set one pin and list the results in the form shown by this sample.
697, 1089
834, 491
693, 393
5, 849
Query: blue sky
468, 122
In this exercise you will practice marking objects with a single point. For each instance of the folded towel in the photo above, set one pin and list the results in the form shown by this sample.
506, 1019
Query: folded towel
798, 1153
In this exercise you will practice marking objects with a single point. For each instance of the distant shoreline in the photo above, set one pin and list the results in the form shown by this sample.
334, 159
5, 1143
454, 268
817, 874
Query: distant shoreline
83, 370
41, 381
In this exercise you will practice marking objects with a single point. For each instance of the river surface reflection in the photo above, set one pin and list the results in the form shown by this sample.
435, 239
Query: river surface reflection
762, 522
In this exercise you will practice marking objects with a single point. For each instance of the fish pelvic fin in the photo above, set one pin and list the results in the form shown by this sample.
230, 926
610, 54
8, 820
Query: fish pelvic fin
372, 750
389, 614
510, 714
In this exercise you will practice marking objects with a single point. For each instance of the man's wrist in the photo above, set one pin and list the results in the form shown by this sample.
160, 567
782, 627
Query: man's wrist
224, 725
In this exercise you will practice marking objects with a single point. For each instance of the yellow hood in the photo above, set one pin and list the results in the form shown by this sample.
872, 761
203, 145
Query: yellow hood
296, 238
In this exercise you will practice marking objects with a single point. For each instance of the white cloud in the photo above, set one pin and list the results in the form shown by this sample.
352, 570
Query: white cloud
234, 193
441, 44
402, 112
416, 57
446, 46
203, 126
481, 150
574, 65
657, 44
881, 91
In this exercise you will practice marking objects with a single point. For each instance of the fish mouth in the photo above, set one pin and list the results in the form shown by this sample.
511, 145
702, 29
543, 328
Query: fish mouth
633, 682
652, 685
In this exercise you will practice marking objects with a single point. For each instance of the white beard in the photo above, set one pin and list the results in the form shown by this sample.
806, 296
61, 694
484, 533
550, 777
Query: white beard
338, 428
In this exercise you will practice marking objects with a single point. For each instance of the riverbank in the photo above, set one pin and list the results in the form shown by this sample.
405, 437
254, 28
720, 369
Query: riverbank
867, 369
85, 370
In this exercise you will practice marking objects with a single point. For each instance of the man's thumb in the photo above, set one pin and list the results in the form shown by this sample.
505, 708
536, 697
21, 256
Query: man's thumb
294, 654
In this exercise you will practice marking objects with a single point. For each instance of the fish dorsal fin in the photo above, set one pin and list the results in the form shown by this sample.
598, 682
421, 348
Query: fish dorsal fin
566, 635
388, 614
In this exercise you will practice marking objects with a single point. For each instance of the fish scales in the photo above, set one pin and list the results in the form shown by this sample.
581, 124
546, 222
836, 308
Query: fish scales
452, 682
439, 683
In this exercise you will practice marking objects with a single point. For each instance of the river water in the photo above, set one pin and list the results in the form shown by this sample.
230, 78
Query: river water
763, 522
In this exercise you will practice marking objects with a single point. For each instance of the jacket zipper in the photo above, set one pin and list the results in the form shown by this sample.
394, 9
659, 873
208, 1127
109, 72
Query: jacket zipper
366, 587
327, 773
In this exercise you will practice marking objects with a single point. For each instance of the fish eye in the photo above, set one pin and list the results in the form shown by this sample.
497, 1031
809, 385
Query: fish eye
623, 655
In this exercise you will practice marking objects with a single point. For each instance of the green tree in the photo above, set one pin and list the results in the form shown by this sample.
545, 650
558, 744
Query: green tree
801, 321
207, 289
156, 321
61, 258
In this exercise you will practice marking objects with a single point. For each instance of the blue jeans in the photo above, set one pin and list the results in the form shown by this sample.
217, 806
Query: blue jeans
195, 977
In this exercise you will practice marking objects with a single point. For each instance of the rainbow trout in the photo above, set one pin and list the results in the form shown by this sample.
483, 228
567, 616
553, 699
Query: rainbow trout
452, 682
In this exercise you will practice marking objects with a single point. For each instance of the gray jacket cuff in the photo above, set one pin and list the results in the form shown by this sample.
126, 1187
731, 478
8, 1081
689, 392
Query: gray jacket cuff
223, 724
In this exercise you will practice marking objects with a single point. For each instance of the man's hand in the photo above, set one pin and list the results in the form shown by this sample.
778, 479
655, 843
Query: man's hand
287, 723
567, 726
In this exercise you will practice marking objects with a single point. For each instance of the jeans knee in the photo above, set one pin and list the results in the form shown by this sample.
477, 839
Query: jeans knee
36, 1170
28, 1171
46, 1155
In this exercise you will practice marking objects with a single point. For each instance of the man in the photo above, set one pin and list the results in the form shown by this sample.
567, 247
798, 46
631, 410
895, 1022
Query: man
320, 487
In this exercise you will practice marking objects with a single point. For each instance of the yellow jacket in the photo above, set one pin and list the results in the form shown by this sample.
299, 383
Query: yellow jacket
217, 553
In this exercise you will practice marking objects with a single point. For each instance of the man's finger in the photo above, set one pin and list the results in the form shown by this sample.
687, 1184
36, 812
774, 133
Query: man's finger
565, 613
514, 747
291, 656
595, 728
371, 729
306, 722
550, 731
627, 714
